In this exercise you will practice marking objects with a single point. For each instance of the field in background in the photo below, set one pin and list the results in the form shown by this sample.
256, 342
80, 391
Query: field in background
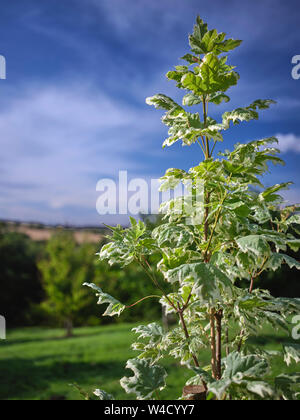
42, 233
39, 364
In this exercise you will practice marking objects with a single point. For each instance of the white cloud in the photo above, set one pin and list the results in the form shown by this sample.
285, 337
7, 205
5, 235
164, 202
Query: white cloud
57, 141
292, 196
289, 143
130, 17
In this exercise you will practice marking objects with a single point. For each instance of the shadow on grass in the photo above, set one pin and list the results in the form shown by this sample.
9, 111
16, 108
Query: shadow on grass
16, 341
22, 378
61, 336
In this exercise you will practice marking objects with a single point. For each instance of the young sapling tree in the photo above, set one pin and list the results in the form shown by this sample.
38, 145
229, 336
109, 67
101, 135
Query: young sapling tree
228, 227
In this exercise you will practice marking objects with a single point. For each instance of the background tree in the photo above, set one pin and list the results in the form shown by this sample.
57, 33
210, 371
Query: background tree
19, 277
64, 268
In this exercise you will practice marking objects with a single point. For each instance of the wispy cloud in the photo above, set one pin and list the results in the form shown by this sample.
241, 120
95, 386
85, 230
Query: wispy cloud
292, 196
289, 143
57, 141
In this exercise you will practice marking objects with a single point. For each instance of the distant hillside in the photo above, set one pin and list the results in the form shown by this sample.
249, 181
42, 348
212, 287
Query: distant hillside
38, 232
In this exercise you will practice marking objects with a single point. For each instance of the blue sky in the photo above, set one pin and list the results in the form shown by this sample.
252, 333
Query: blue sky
73, 111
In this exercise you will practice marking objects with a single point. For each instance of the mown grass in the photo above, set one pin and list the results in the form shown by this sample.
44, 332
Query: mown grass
39, 364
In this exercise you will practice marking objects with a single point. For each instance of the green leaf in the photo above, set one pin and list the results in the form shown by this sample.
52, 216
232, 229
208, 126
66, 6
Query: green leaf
291, 352
203, 375
229, 44
173, 258
195, 83
295, 219
190, 99
294, 244
262, 389
246, 114
262, 104
200, 29
146, 380
276, 260
254, 244
209, 283
172, 179
151, 336
239, 115
128, 244
289, 305
286, 385
103, 396
177, 75
242, 371
251, 302
172, 235
268, 194
192, 59
211, 78
184, 125
161, 101
238, 366
218, 98
203, 41
278, 238
227, 264
233, 168
152, 331
114, 308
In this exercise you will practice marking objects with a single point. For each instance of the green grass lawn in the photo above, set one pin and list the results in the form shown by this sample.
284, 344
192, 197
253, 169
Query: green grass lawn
38, 364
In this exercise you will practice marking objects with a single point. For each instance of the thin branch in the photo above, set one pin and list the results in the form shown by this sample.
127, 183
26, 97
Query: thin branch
203, 142
251, 284
262, 268
202, 147
157, 395
141, 300
207, 153
212, 151
155, 282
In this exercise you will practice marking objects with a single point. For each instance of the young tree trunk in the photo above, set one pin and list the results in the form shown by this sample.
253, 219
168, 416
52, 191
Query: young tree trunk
69, 328
194, 392
213, 344
219, 316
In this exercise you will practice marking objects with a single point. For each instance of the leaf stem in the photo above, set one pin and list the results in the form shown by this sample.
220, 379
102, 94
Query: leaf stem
207, 152
141, 300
